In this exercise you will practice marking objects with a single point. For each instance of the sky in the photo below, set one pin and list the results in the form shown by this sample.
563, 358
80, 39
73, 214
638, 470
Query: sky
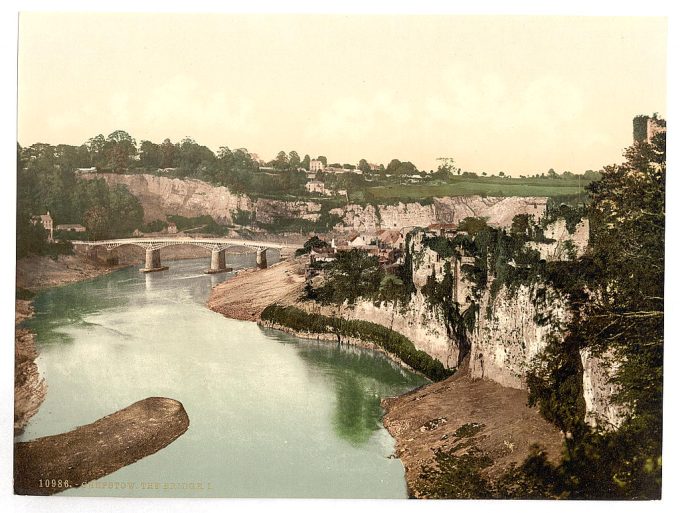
496, 93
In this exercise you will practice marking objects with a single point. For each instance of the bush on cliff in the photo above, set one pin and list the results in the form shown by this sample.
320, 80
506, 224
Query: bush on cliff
391, 341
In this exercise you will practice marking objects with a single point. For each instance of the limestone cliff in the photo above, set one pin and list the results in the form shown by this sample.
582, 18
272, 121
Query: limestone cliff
416, 321
161, 196
498, 211
512, 330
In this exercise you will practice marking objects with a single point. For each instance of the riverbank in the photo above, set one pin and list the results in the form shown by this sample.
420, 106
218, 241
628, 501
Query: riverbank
29, 387
480, 429
35, 273
247, 294
40, 272
459, 417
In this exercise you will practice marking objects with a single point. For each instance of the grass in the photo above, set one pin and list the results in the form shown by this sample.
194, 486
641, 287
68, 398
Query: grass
478, 186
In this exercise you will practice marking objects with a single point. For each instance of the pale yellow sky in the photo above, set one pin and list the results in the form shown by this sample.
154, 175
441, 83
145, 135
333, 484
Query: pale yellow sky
514, 94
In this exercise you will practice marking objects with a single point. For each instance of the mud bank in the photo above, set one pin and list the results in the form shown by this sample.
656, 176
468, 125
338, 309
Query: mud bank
29, 387
431, 418
247, 294
52, 464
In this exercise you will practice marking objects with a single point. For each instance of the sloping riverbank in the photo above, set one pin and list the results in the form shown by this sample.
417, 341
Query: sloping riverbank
29, 387
456, 433
247, 294
457, 419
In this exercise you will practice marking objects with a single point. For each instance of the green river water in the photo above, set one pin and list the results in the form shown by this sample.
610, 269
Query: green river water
271, 415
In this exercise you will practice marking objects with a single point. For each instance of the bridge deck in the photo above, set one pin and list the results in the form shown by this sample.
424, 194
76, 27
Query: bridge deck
161, 242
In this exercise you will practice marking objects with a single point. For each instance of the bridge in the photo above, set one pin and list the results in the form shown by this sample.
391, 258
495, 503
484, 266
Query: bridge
217, 247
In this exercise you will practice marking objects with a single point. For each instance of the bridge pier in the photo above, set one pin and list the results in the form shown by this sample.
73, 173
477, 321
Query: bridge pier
153, 262
261, 259
112, 257
218, 262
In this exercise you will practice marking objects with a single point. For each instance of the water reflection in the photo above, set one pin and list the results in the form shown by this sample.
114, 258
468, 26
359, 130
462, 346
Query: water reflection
359, 378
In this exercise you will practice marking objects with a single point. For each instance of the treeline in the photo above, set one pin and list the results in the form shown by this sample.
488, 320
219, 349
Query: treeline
391, 341
46, 181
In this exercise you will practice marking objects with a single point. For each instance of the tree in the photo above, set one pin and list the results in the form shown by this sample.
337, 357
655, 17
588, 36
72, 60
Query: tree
168, 151
305, 162
281, 161
149, 155
364, 166
323, 160
96, 222
120, 148
351, 275
293, 160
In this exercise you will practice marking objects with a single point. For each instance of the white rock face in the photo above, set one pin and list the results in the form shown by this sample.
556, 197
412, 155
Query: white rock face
425, 328
557, 250
161, 196
597, 391
498, 212
508, 337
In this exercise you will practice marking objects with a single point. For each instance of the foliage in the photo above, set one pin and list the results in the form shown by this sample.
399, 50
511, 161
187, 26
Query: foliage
204, 224
313, 243
616, 295
154, 226
391, 341
351, 275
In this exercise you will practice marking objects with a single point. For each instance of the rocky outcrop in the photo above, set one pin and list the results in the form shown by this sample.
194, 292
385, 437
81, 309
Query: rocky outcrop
512, 330
565, 245
52, 464
416, 321
29, 387
162, 196
598, 391
498, 211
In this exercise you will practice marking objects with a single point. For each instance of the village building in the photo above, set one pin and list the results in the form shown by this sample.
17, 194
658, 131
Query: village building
70, 228
443, 229
316, 165
315, 187
390, 239
47, 223
362, 240
172, 228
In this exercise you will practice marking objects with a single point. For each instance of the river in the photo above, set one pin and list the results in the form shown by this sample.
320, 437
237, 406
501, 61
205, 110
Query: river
271, 415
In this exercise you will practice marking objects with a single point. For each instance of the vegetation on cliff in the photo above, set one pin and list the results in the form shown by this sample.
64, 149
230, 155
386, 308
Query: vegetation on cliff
391, 341
46, 181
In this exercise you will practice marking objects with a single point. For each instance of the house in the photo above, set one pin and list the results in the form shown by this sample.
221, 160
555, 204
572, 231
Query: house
47, 223
70, 228
172, 228
316, 165
315, 187
390, 239
85, 170
321, 255
443, 229
360, 241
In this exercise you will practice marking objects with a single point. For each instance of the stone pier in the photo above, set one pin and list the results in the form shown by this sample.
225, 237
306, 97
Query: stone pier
261, 258
218, 262
153, 261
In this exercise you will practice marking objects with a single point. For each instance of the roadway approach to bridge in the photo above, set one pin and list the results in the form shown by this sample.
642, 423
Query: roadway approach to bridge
217, 247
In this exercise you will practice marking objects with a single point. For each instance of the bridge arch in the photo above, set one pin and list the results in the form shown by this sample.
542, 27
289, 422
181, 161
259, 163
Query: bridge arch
217, 248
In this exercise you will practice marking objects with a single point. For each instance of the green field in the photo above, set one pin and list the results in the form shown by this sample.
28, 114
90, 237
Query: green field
479, 186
